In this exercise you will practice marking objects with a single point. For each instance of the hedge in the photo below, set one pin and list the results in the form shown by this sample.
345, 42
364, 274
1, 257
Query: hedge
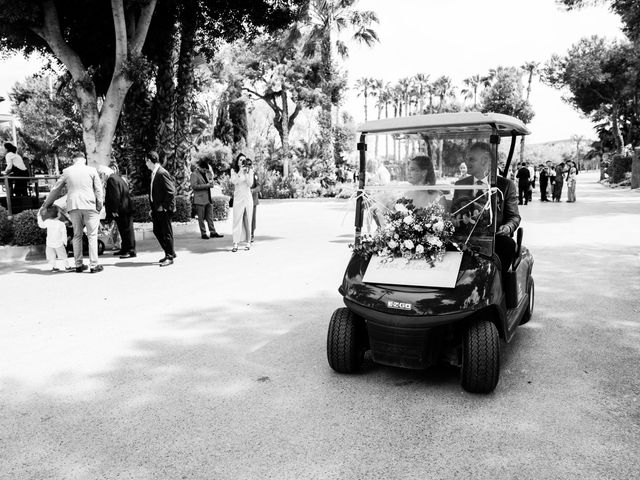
26, 230
618, 167
6, 227
141, 208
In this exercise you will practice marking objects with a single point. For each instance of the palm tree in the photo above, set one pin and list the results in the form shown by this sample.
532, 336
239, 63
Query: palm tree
531, 68
376, 89
471, 88
421, 82
365, 87
385, 98
578, 139
443, 87
324, 20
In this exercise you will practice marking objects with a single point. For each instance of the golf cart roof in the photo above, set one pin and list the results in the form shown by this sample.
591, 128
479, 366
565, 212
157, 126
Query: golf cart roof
460, 125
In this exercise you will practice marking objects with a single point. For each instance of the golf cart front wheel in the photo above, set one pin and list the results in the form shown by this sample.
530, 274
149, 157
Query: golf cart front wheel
480, 357
100, 247
345, 351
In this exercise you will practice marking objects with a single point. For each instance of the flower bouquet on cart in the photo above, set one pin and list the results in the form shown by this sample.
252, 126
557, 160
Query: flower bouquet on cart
409, 232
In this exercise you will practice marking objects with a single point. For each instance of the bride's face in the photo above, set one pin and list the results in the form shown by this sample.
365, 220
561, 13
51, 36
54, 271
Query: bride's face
415, 175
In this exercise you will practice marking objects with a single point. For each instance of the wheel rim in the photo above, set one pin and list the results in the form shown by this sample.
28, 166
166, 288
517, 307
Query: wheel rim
532, 294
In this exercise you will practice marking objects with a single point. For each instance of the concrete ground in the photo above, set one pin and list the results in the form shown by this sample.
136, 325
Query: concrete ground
215, 368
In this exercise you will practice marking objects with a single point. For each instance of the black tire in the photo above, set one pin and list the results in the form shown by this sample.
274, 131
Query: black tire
345, 349
532, 297
100, 247
480, 357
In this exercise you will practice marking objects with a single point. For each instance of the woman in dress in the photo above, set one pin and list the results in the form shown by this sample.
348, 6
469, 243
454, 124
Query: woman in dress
571, 183
421, 172
242, 180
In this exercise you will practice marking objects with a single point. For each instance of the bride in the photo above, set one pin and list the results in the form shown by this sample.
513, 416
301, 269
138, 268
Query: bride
421, 172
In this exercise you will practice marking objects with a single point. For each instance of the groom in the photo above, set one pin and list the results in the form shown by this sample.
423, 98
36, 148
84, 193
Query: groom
163, 205
508, 216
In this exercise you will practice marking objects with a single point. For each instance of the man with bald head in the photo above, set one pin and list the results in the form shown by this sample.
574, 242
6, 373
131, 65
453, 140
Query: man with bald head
508, 217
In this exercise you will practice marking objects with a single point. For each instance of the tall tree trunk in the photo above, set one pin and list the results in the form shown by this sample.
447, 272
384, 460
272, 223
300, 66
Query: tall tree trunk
635, 169
324, 118
615, 124
284, 137
522, 141
386, 137
181, 160
365, 103
377, 136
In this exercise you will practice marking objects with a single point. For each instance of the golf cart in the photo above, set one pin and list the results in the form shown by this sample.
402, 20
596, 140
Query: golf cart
456, 304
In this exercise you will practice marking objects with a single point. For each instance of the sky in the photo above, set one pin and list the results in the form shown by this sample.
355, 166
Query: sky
460, 38
457, 38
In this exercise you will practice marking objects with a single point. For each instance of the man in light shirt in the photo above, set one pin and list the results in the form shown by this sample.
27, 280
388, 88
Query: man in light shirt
84, 200
17, 168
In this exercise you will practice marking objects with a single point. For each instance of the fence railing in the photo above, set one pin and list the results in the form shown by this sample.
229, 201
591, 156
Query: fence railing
34, 185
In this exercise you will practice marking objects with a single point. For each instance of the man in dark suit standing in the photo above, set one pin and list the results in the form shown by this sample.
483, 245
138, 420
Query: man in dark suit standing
201, 185
524, 179
117, 203
508, 216
162, 197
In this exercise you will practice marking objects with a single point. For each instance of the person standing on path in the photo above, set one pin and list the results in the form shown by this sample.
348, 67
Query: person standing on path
242, 180
524, 181
162, 198
56, 244
118, 206
571, 184
84, 201
255, 194
558, 182
17, 168
544, 182
201, 185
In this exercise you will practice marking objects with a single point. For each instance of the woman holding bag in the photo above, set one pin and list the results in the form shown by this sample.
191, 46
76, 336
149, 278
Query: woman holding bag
242, 179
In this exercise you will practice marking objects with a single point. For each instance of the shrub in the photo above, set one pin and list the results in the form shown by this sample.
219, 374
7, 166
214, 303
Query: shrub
618, 167
220, 208
6, 227
26, 230
218, 155
141, 207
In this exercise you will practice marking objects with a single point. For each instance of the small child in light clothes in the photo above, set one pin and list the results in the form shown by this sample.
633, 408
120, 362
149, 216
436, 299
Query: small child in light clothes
52, 220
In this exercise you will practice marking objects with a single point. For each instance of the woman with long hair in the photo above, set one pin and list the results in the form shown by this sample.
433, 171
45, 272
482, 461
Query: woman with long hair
242, 179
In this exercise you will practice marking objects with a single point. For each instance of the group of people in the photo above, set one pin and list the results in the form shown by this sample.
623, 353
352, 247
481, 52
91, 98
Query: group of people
80, 194
551, 181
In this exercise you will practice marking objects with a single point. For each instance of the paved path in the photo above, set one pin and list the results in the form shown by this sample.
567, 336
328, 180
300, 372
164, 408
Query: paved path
215, 368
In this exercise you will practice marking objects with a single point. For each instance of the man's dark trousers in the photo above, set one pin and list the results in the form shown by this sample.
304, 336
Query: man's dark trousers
523, 191
544, 182
205, 214
125, 227
163, 231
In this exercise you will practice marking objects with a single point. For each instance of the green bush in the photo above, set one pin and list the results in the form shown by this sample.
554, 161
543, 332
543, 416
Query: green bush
183, 209
26, 230
141, 207
220, 208
218, 155
6, 227
618, 167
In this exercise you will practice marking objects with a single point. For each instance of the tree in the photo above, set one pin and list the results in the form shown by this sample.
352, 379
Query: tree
629, 11
365, 87
49, 121
472, 84
324, 21
443, 89
421, 82
531, 69
505, 95
603, 79
578, 139
60, 30
278, 73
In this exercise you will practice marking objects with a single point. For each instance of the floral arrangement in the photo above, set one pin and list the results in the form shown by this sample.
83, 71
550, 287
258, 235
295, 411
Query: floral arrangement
410, 232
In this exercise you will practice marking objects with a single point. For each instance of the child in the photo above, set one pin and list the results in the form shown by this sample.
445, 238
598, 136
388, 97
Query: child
52, 220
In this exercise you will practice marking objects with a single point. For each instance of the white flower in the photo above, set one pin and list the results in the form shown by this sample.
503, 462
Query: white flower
438, 226
396, 236
401, 208
419, 249
408, 220
392, 244
417, 227
384, 252
408, 244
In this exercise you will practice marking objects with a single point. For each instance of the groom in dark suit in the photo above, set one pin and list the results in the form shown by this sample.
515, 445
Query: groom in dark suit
163, 204
117, 203
508, 216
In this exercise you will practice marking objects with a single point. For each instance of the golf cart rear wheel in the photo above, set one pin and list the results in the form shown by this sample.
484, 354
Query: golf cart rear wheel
480, 357
532, 296
100, 247
345, 351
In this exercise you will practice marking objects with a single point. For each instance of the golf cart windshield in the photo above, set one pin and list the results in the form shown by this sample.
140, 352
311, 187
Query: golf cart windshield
444, 165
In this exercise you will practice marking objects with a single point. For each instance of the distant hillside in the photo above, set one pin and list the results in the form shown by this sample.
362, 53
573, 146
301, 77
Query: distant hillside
554, 151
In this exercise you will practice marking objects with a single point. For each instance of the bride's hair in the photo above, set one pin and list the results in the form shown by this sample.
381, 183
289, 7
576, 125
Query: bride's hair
424, 164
